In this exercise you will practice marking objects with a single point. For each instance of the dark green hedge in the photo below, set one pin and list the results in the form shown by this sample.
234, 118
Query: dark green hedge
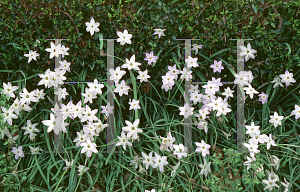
273, 26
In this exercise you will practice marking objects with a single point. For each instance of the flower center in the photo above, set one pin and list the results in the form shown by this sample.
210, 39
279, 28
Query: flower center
203, 147
46, 78
123, 140
53, 50
132, 128
130, 64
7, 114
88, 146
88, 95
89, 114
247, 51
159, 161
217, 66
121, 87
8, 89
180, 150
27, 96
116, 74
30, 127
287, 77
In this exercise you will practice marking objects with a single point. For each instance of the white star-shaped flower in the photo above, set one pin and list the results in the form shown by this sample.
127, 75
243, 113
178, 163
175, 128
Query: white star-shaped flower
180, 150
186, 111
270, 141
18, 152
31, 55
64, 50
117, 74
296, 112
89, 114
248, 52
54, 50
159, 32
250, 90
122, 88
143, 76
132, 129
64, 65
252, 147
205, 168
148, 159
131, 64
277, 82
186, 74
8, 115
89, 95
134, 104
191, 62
202, 147
217, 66
160, 162
287, 78
96, 87
196, 47
92, 26
88, 147
276, 119
8, 90
107, 110
123, 140
124, 37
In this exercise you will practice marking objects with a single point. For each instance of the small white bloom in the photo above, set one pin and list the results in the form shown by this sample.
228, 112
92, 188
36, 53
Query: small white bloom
132, 129
250, 90
134, 104
248, 52
31, 55
160, 162
180, 150
124, 37
143, 76
202, 147
18, 152
92, 26
205, 168
54, 50
88, 147
186, 111
276, 119
82, 169
159, 32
